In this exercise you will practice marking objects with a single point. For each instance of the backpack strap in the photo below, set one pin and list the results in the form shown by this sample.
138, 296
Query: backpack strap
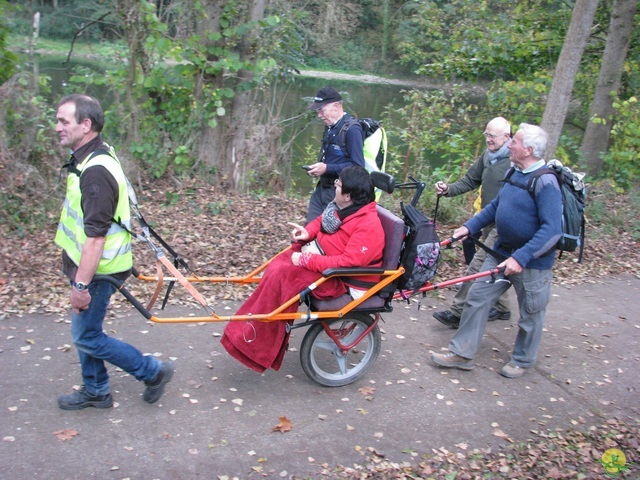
342, 135
531, 182
71, 168
495, 254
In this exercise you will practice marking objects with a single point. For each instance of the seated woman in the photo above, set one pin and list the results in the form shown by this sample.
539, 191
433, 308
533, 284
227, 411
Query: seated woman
348, 233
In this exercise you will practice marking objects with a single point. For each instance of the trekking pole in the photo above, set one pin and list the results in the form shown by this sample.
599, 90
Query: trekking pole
435, 213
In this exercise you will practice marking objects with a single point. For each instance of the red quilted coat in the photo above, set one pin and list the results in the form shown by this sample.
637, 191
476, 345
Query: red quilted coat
358, 243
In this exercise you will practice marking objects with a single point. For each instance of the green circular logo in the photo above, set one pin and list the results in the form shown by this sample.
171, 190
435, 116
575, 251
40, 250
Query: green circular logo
614, 461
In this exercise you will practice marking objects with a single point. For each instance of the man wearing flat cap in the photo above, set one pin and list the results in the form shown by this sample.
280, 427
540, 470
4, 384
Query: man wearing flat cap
333, 157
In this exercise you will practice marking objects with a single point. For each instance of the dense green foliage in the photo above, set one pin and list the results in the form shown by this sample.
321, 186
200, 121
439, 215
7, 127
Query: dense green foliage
29, 156
623, 159
482, 40
8, 59
193, 87
515, 47
183, 70
62, 23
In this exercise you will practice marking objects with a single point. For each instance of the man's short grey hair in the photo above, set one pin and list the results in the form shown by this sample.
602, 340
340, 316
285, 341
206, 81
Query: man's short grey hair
535, 137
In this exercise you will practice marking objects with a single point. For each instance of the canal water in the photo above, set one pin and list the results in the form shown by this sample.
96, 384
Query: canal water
361, 99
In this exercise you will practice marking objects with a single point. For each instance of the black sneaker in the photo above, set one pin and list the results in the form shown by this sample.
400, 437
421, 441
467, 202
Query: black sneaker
155, 389
447, 318
496, 315
82, 399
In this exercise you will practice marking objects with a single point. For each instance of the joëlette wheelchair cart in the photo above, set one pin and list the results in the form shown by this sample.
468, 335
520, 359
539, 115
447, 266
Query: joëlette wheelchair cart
343, 339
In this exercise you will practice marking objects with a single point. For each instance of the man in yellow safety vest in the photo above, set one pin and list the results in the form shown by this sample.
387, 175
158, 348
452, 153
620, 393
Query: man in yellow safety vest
94, 243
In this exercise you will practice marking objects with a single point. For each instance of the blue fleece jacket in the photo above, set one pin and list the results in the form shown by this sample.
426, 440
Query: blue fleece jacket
334, 157
528, 229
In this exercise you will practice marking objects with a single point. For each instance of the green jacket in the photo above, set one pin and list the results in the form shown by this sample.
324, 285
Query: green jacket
482, 172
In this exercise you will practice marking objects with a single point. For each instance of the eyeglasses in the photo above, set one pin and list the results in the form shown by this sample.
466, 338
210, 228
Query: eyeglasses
323, 108
492, 136
337, 183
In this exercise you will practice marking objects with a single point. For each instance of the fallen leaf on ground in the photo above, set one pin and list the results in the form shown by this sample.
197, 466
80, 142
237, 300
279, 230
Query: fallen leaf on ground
65, 434
283, 426
367, 390
499, 433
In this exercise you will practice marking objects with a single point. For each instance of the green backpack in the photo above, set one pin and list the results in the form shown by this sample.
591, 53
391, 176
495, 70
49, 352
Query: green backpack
375, 143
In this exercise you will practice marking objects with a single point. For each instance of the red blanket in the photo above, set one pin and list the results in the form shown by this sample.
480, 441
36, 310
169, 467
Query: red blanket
261, 345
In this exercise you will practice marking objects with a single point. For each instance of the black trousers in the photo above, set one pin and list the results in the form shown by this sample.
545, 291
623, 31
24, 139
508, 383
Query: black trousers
322, 196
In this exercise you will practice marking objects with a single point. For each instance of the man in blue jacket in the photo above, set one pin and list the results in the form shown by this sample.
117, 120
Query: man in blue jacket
528, 227
332, 159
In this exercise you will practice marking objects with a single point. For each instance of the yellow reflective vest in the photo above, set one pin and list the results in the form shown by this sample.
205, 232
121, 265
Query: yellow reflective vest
116, 256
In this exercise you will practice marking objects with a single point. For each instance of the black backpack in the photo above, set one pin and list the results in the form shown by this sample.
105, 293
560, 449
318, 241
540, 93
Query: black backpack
375, 142
421, 250
573, 203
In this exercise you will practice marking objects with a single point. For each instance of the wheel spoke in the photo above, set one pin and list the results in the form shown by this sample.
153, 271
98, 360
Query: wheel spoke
353, 334
341, 360
325, 344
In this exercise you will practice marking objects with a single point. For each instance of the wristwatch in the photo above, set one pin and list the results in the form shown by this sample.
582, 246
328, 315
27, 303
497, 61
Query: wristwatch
80, 286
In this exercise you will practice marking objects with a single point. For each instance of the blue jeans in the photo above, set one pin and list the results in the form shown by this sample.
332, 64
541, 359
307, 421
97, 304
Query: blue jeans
95, 347
533, 289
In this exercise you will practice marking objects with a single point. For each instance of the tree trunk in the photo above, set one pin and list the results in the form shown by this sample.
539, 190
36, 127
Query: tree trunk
136, 33
575, 42
243, 116
240, 145
598, 131
386, 30
210, 145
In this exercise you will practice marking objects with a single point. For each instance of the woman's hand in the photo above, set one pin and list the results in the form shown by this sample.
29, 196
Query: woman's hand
295, 258
299, 233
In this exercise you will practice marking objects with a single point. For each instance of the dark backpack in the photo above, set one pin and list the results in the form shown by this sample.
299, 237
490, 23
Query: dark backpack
375, 142
573, 203
421, 250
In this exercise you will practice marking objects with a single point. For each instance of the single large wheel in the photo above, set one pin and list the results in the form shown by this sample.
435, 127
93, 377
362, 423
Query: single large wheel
325, 363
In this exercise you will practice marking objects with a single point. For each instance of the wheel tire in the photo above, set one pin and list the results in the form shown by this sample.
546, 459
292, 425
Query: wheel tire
324, 362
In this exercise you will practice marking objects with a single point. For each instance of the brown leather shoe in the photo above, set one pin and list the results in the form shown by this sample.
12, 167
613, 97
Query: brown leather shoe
451, 360
511, 370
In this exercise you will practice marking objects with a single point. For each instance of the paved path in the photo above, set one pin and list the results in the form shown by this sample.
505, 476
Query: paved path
216, 418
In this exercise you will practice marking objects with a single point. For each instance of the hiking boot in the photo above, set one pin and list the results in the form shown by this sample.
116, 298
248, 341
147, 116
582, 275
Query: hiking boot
451, 360
497, 315
447, 318
155, 389
511, 370
82, 399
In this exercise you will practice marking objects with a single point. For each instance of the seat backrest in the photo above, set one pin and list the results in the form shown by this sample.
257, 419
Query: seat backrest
393, 236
